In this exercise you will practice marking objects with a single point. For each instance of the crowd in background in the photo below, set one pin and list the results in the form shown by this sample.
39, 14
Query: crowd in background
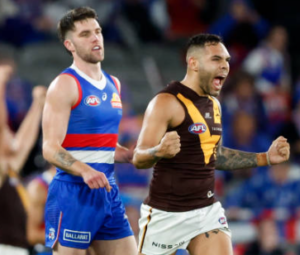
260, 100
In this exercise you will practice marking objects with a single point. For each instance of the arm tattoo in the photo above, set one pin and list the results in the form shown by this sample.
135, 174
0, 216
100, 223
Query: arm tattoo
228, 159
215, 231
64, 158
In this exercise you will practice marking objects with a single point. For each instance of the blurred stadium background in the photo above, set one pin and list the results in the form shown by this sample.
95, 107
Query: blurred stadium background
144, 48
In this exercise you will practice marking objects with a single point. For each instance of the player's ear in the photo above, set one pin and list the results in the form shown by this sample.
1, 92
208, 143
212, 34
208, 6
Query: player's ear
69, 45
193, 63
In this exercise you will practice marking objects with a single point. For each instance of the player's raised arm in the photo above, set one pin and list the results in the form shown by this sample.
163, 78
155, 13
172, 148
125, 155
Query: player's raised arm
154, 143
229, 159
62, 95
27, 134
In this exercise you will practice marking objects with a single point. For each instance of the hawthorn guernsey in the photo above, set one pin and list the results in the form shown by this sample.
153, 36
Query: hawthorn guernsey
92, 132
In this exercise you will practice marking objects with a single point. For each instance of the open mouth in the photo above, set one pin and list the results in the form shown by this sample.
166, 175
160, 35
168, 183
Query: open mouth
96, 48
218, 82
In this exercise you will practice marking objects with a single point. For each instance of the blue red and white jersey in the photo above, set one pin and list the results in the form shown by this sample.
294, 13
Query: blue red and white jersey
92, 132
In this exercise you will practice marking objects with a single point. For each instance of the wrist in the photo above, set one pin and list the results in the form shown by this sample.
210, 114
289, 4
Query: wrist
263, 159
154, 152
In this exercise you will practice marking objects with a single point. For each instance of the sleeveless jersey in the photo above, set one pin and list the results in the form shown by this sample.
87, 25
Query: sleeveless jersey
92, 132
186, 182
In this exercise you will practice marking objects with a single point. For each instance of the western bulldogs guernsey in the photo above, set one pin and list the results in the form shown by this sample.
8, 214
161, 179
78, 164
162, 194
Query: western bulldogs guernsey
92, 132
75, 215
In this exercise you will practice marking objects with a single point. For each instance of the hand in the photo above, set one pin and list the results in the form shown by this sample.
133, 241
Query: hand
39, 94
169, 145
279, 151
123, 154
96, 180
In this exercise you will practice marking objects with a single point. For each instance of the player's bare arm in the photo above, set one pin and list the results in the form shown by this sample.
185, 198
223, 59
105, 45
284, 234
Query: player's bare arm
5, 73
229, 159
163, 112
61, 96
123, 154
27, 133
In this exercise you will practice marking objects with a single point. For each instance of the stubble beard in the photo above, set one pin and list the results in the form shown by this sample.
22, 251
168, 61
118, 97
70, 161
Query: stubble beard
89, 57
206, 80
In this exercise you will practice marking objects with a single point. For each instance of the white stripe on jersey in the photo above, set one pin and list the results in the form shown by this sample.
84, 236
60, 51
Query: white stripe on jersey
94, 156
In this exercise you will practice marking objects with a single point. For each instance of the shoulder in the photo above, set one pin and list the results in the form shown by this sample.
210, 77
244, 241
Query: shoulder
63, 87
163, 100
116, 82
165, 105
63, 82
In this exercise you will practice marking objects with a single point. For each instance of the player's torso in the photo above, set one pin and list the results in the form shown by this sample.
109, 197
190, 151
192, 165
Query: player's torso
92, 132
186, 181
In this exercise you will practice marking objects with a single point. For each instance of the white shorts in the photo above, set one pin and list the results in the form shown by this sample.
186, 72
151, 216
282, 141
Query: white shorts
12, 250
162, 233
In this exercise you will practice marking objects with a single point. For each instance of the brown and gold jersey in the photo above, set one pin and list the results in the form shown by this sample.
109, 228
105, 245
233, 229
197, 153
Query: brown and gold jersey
186, 182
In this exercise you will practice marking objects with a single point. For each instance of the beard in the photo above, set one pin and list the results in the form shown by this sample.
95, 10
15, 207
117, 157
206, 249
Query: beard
88, 57
206, 80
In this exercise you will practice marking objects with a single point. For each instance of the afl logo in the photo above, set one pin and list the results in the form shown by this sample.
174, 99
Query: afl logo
197, 128
222, 220
92, 101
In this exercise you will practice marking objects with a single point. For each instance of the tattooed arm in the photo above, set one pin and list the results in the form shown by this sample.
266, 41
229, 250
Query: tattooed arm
229, 159
154, 143
61, 96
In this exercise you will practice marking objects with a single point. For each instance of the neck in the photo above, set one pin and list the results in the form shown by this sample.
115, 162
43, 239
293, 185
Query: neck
193, 83
91, 70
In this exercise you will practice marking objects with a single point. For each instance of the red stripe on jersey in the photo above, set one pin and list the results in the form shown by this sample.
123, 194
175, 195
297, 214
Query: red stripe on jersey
79, 90
116, 84
291, 230
90, 140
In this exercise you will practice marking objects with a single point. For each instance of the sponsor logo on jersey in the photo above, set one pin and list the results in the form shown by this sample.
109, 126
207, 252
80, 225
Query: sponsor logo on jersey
51, 234
197, 128
77, 236
210, 194
116, 101
207, 115
166, 246
104, 96
222, 220
92, 100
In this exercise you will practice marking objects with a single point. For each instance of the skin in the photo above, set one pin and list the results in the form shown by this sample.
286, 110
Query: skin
164, 112
15, 148
5, 73
81, 42
37, 194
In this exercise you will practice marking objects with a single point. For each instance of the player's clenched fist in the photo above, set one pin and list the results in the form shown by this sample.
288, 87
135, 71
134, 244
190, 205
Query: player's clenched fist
279, 151
169, 145
96, 180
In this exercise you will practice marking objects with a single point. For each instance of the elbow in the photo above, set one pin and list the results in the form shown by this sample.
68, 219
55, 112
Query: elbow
137, 163
30, 239
49, 151
46, 152
140, 164
31, 236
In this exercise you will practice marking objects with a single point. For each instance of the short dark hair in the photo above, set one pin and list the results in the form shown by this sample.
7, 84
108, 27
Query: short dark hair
67, 21
201, 40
